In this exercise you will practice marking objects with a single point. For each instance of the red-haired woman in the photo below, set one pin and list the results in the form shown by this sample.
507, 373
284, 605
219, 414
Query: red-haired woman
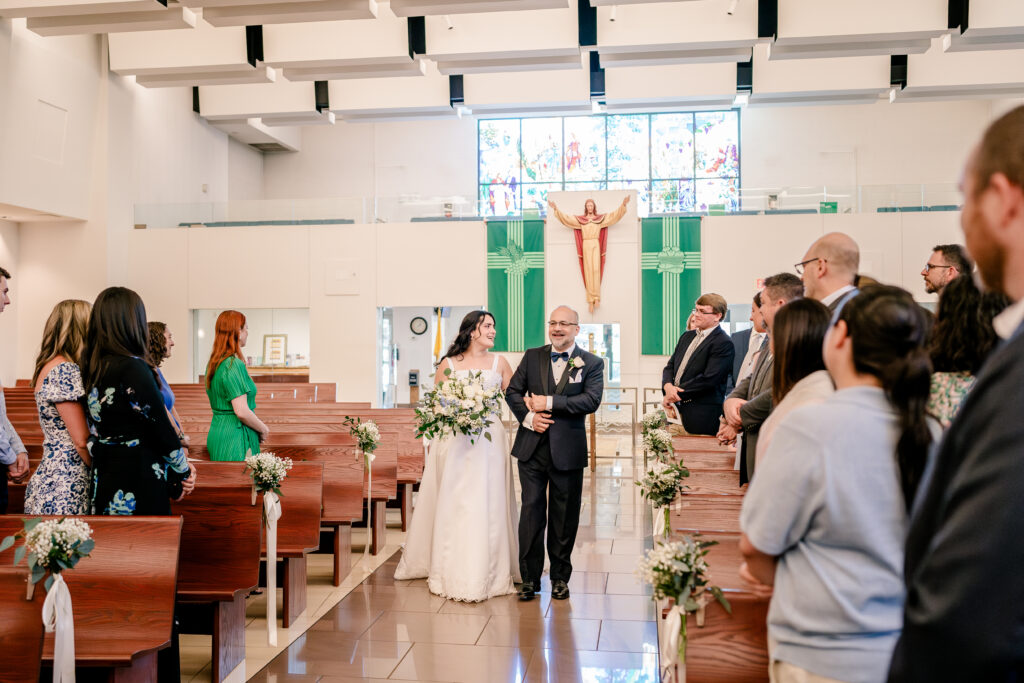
235, 429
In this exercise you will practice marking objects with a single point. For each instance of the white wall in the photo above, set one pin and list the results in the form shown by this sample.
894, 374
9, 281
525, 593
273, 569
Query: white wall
416, 352
8, 322
245, 171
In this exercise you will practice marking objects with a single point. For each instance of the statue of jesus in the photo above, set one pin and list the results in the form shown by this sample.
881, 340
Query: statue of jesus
591, 243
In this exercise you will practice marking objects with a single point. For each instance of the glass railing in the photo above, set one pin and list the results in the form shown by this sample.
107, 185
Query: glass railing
415, 208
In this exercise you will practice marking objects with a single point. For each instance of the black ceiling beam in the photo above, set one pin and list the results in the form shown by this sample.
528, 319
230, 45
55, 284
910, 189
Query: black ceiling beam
596, 75
417, 36
898, 71
958, 13
587, 23
745, 76
323, 99
253, 44
767, 18
456, 90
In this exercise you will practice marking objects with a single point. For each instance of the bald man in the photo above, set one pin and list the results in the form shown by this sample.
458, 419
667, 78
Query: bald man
829, 270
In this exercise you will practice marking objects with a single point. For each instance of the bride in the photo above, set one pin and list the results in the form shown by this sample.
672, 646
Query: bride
463, 537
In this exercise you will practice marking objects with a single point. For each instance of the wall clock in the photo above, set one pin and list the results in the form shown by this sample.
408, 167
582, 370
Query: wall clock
418, 325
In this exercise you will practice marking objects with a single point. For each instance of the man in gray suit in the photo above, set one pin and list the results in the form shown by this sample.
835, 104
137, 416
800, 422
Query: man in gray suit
965, 546
829, 270
750, 403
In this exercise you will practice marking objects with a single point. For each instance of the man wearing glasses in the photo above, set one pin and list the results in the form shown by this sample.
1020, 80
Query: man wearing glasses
552, 391
829, 270
948, 262
695, 377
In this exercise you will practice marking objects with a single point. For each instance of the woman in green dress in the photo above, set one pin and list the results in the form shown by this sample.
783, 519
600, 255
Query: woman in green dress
235, 430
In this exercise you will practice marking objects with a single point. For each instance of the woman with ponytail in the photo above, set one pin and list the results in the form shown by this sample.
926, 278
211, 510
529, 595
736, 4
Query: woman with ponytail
825, 519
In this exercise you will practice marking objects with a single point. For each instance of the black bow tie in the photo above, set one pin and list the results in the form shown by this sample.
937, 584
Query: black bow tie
564, 355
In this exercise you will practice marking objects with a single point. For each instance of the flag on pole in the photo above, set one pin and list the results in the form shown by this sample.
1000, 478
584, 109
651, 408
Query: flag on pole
437, 337
670, 264
515, 283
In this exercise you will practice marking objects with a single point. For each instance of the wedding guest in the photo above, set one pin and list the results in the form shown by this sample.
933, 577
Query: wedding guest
947, 263
62, 482
234, 430
161, 341
749, 404
961, 340
139, 465
829, 270
695, 377
799, 377
13, 457
825, 520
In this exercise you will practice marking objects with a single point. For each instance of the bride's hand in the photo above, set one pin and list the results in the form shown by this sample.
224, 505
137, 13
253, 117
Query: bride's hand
552, 205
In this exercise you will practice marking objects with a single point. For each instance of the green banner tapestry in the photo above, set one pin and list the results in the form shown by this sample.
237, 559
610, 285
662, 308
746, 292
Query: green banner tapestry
669, 280
515, 283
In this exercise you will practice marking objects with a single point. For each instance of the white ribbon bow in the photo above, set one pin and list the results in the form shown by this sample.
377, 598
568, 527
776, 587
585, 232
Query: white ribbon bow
271, 513
59, 620
662, 525
368, 459
673, 644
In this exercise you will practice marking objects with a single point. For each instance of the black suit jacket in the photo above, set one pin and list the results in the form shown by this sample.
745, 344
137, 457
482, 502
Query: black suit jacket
571, 402
964, 613
703, 381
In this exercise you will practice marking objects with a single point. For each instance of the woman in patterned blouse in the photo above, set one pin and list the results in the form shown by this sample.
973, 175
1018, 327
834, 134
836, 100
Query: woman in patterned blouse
961, 340
139, 464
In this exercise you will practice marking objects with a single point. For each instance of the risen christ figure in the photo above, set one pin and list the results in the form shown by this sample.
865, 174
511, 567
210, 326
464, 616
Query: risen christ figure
591, 243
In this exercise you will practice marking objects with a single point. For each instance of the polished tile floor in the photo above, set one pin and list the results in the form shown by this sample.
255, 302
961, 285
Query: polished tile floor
385, 629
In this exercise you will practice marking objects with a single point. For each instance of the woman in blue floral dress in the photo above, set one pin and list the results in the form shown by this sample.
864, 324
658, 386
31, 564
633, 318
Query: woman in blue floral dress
61, 483
139, 464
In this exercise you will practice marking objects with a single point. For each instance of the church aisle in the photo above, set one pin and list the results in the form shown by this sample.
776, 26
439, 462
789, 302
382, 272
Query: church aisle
396, 630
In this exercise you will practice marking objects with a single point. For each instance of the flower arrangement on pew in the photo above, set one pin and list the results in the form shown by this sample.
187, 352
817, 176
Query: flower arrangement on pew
53, 546
267, 472
458, 405
661, 486
678, 572
659, 443
656, 419
367, 437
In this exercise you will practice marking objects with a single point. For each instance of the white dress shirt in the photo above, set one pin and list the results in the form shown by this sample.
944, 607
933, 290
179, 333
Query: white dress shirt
750, 358
557, 368
836, 295
1007, 322
691, 349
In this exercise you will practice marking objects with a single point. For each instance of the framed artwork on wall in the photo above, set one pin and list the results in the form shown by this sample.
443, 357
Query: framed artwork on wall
275, 349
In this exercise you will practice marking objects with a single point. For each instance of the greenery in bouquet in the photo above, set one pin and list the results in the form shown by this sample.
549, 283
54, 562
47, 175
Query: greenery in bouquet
663, 483
52, 545
366, 434
658, 442
267, 471
458, 405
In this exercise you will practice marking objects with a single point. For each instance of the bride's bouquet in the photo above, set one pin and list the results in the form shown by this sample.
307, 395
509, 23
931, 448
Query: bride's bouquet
458, 405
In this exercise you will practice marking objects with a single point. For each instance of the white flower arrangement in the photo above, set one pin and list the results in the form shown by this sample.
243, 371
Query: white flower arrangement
653, 420
458, 405
663, 483
366, 434
267, 471
575, 363
658, 442
679, 571
53, 545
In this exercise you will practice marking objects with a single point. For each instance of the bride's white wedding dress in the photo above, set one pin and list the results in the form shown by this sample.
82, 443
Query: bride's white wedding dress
464, 533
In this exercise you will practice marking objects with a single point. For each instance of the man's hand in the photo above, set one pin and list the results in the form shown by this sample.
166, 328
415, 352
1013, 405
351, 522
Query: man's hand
535, 404
541, 422
18, 470
727, 434
731, 408
671, 394
756, 587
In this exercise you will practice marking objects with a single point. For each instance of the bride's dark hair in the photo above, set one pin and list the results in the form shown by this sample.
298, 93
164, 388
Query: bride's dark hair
464, 337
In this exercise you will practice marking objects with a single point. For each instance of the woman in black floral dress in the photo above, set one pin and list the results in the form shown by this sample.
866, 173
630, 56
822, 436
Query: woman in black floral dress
139, 464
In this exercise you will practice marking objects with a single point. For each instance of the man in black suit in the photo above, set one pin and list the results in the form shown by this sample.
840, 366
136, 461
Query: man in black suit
554, 388
695, 377
964, 609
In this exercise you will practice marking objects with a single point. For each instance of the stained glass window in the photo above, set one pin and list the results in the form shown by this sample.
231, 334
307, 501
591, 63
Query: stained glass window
678, 162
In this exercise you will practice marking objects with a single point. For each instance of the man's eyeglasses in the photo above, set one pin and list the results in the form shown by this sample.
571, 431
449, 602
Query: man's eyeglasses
561, 323
697, 311
929, 266
800, 266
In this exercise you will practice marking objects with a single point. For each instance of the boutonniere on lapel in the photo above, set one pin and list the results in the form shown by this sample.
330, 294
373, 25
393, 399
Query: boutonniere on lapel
576, 363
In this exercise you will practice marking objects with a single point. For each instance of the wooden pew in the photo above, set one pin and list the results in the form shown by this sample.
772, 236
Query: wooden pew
21, 627
220, 562
298, 531
129, 578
